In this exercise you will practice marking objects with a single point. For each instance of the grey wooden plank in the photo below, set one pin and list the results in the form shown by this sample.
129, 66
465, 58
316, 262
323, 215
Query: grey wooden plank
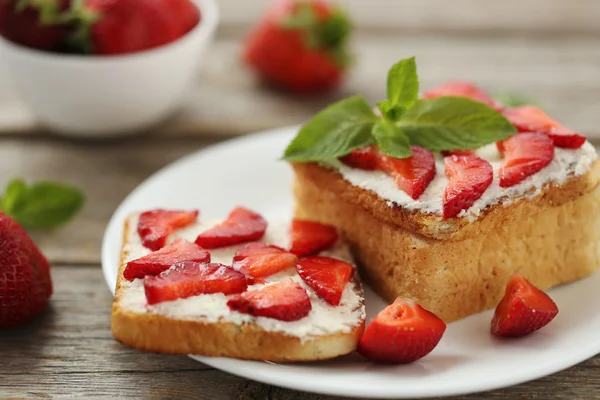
107, 172
481, 16
69, 352
563, 73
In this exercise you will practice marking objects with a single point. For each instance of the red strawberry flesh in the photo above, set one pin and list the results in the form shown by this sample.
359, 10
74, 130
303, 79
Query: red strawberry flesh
327, 276
402, 333
365, 158
25, 282
154, 227
523, 310
413, 174
124, 27
303, 57
447, 153
258, 260
461, 89
524, 155
241, 226
189, 278
468, 178
533, 119
284, 301
25, 26
310, 237
161, 260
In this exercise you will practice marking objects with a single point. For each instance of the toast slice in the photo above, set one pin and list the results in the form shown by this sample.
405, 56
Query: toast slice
457, 267
204, 325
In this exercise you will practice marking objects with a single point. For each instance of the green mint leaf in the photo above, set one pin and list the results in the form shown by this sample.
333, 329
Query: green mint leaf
448, 123
514, 100
391, 112
391, 140
13, 195
334, 132
44, 204
403, 83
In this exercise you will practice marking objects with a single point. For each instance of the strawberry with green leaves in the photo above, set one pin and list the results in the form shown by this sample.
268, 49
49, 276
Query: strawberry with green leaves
101, 27
301, 46
39, 24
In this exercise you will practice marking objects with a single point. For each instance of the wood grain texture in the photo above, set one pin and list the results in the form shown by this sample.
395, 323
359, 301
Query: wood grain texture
457, 16
106, 172
69, 352
563, 73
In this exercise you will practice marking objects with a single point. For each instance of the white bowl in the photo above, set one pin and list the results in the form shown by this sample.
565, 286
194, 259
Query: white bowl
98, 96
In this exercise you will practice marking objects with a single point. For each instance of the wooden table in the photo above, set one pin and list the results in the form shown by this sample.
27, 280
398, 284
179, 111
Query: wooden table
69, 350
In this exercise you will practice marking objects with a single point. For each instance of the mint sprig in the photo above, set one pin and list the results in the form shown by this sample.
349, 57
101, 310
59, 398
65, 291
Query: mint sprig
334, 132
42, 205
444, 123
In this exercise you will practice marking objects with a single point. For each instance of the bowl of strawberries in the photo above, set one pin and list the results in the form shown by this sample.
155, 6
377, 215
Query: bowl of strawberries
101, 68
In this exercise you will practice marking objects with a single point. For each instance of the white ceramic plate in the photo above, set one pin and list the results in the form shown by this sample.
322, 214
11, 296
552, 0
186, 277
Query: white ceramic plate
468, 359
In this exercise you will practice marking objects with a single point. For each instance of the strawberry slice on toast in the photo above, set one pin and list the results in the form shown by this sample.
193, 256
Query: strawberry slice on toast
285, 301
310, 237
469, 177
412, 174
524, 155
189, 278
365, 158
402, 333
242, 225
532, 119
155, 226
523, 310
258, 260
327, 276
161, 260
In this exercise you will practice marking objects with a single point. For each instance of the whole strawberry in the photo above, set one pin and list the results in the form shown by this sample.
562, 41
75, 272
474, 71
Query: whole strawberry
113, 27
39, 24
301, 46
25, 284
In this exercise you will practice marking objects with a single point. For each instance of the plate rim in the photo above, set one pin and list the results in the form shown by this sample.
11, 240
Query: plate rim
114, 227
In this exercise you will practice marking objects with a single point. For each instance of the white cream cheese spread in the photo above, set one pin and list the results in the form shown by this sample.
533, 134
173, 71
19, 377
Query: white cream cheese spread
566, 163
323, 319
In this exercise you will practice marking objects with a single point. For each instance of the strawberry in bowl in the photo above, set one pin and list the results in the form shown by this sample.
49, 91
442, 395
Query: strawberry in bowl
104, 67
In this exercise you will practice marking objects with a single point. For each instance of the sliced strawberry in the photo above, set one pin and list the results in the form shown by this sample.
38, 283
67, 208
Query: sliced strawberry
365, 158
258, 260
523, 310
189, 278
310, 237
402, 333
241, 226
412, 174
469, 176
161, 260
285, 301
154, 227
461, 89
532, 119
326, 276
447, 153
524, 155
